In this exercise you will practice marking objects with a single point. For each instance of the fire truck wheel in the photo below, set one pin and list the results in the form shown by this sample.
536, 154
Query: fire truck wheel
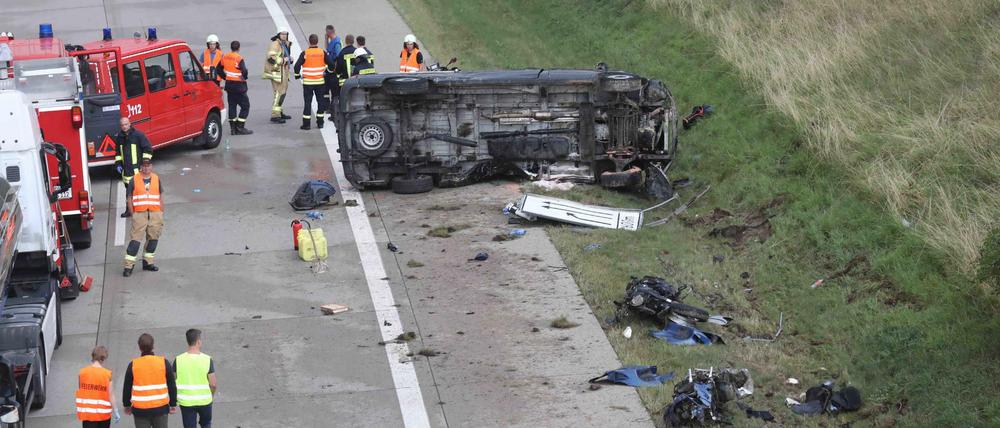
81, 239
211, 133
408, 186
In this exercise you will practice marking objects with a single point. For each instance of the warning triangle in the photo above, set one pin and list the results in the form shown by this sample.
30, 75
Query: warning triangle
107, 146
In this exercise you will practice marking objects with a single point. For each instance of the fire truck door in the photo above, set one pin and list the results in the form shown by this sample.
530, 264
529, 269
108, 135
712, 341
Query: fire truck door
136, 105
166, 99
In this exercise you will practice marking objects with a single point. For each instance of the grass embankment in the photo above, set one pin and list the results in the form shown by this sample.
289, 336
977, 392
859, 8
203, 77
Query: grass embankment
896, 316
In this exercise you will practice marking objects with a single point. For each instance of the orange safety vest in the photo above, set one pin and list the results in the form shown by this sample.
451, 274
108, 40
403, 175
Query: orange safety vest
408, 63
144, 199
313, 66
208, 61
93, 398
231, 66
149, 382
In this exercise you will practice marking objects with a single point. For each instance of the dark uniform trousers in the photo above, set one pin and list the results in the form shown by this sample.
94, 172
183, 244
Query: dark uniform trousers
236, 95
318, 91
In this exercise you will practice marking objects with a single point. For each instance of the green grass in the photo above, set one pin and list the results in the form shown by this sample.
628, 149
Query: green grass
907, 327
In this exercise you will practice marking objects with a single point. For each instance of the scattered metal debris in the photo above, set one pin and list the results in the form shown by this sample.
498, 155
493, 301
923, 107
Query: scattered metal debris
633, 376
333, 308
699, 398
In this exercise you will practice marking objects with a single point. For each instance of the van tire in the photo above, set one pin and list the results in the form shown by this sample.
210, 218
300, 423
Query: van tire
406, 85
39, 380
620, 82
409, 186
211, 132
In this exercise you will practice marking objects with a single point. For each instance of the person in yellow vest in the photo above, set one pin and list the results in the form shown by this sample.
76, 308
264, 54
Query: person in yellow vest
236, 73
195, 382
410, 59
276, 69
364, 59
150, 392
310, 67
211, 59
95, 402
146, 206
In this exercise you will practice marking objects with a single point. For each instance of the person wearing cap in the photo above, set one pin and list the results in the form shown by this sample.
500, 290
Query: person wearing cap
146, 205
276, 69
410, 59
211, 59
95, 402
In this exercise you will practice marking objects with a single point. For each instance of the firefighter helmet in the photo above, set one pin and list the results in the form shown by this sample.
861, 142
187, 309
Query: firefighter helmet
410, 38
212, 38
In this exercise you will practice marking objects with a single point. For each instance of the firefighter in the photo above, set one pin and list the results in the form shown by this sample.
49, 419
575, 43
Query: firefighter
235, 70
276, 69
343, 61
410, 59
211, 58
146, 205
95, 401
310, 67
364, 60
150, 391
131, 146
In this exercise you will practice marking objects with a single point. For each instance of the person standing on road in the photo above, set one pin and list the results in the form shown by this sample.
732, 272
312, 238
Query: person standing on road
147, 220
236, 73
211, 59
95, 404
150, 392
195, 382
410, 59
333, 46
276, 69
364, 59
342, 65
131, 147
310, 67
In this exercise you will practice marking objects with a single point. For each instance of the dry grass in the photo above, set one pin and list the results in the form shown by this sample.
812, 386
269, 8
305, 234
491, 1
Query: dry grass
902, 93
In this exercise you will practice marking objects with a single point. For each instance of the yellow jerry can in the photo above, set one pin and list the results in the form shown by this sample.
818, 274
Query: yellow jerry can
306, 250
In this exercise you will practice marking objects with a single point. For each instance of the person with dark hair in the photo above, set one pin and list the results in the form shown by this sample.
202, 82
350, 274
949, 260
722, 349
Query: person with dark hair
236, 74
95, 402
150, 393
333, 47
364, 59
342, 65
410, 59
196, 383
312, 65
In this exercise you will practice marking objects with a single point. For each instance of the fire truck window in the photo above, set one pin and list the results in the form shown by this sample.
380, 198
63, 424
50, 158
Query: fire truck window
160, 73
134, 85
190, 67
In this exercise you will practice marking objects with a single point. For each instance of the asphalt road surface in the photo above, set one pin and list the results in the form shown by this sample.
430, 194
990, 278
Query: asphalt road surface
227, 266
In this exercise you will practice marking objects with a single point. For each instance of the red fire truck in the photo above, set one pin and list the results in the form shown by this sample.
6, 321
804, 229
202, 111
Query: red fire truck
42, 69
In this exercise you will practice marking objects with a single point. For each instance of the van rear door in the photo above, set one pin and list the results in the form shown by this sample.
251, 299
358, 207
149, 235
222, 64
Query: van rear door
102, 101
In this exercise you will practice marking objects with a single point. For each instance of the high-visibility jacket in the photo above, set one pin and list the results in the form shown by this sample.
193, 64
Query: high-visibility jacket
314, 66
149, 381
192, 379
210, 63
364, 63
93, 398
276, 62
231, 66
408, 61
144, 199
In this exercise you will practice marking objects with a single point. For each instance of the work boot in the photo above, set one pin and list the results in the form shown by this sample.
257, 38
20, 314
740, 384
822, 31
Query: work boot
277, 120
305, 124
127, 272
285, 116
319, 122
149, 266
233, 127
126, 214
241, 129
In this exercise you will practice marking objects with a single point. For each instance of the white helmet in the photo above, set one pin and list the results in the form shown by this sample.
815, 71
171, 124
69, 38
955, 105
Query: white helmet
212, 38
282, 30
410, 38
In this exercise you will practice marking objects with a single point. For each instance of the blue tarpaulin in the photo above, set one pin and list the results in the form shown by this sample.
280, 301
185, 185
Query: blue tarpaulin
635, 376
677, 334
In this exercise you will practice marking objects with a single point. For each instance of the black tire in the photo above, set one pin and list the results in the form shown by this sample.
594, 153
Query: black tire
38, 382
372, 137
689, 311
211, 132
406, 85
620, 82
81, 239
409, 186
59, 321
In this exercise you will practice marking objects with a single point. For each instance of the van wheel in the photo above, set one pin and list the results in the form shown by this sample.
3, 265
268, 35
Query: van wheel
211, 133
408, 186
620, 82
408, 85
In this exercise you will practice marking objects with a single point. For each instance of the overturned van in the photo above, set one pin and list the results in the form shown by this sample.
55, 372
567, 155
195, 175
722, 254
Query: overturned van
415, 131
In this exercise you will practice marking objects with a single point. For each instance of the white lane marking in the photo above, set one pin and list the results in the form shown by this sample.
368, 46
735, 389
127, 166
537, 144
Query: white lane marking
119, 221
404, 376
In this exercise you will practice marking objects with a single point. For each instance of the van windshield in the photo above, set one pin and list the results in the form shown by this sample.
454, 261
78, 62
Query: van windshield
46, 79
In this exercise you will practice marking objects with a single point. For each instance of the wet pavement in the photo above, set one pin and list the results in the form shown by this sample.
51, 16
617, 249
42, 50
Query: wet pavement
227, 267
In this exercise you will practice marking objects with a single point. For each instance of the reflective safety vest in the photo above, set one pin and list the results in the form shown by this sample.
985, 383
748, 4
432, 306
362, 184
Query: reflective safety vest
192, 379
144, 199
211, 59
348, 60
313, 66
149, 381
408, 63
365, 64
231, 66
93, 398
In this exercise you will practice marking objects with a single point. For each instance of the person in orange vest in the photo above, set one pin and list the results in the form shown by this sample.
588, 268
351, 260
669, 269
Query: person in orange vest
150, 393
311, 66
211, 59
146, 206
95, 402
410, 59
236, 73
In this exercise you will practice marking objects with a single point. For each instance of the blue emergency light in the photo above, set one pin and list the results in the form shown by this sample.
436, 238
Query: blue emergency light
107, 34
151, 33
44, 31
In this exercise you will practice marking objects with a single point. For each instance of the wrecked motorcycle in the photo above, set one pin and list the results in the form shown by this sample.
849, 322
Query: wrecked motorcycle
700, 397
447, 67
655, 297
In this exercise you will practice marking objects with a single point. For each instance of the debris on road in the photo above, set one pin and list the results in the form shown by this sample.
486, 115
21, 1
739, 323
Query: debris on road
480, 257
351, 203
312, 194
697, 112
655, 298
315, 215
791, 381
677, 334
414, 264
428, 352
333, 308
633, 376
446, 231
531, 207
759, 414
406, 337
392, 247
627, 332
551, 185
563, 323
823, 399
700, 397
679, 210
592, 247
816, 284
